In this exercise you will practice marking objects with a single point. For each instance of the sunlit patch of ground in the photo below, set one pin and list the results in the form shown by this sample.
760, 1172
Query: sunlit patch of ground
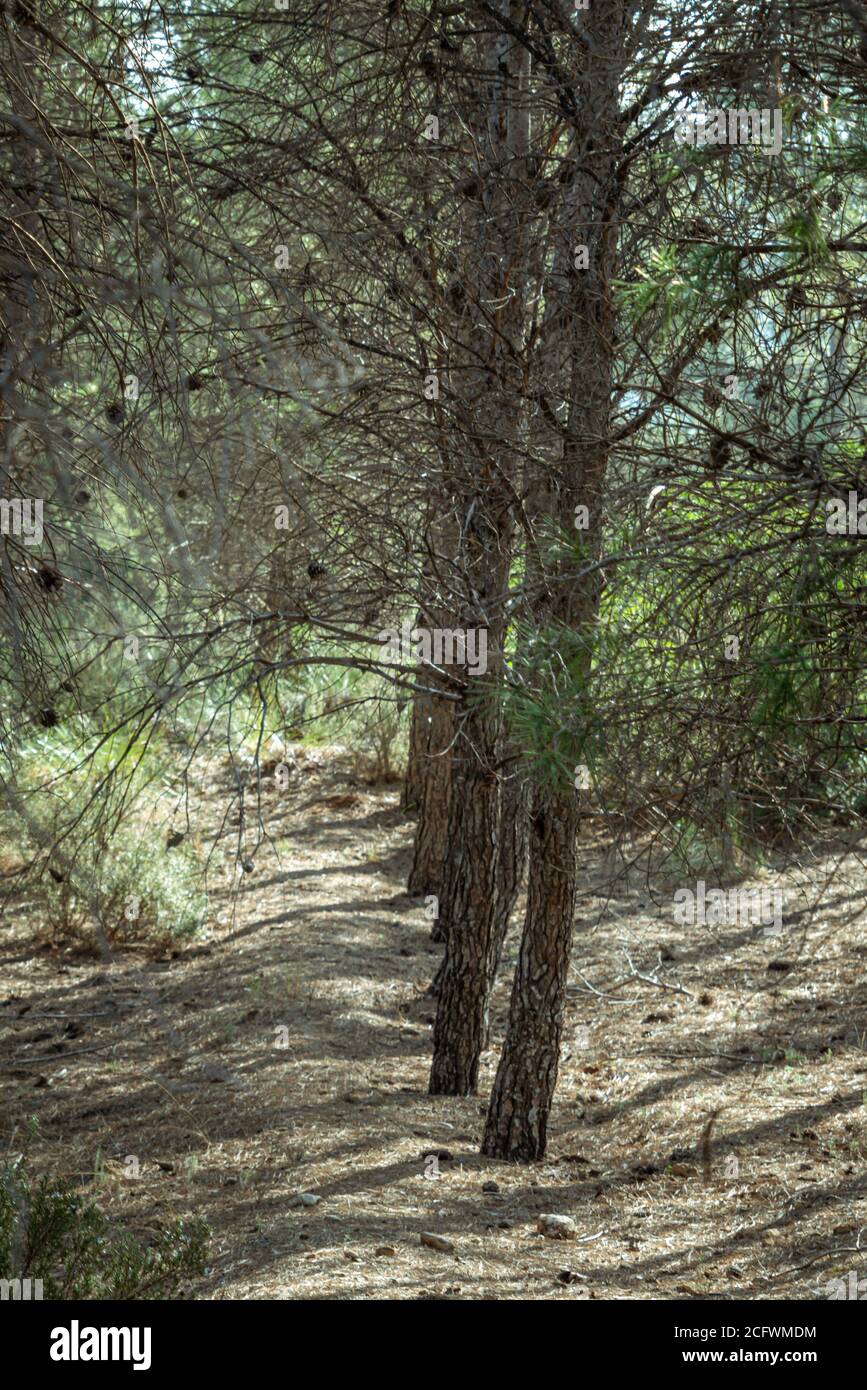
287, 1052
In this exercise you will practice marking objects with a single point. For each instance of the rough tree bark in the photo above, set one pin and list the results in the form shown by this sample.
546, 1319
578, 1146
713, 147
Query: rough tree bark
489, 407
430, 761
581, 325
433, 731
511, 863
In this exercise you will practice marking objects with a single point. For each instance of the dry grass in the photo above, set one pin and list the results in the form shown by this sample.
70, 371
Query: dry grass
179, 1062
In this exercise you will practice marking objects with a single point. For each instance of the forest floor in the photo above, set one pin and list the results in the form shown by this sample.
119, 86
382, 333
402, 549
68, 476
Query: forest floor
286, 1051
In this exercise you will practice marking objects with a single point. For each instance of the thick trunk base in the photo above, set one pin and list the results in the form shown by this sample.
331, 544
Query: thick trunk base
517, 1122
469, 919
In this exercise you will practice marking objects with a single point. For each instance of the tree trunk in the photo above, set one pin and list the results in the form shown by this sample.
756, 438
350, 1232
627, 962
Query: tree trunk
429, 774
527, 1074
433, 730
512, 862
469, 917
416, 761
513, 855
489, 405
581, 333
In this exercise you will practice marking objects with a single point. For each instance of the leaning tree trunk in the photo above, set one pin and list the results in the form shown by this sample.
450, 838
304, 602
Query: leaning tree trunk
580, 325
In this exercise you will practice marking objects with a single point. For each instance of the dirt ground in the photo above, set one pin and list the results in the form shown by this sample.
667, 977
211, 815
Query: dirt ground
287, 1052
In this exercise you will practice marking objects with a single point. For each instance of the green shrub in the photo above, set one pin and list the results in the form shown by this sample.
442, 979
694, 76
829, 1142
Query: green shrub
85, 816
48, 1232
334, 706
135, 887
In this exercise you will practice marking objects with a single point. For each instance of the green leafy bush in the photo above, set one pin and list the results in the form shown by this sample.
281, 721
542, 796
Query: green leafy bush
48, 1232
136, 889
86, 819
